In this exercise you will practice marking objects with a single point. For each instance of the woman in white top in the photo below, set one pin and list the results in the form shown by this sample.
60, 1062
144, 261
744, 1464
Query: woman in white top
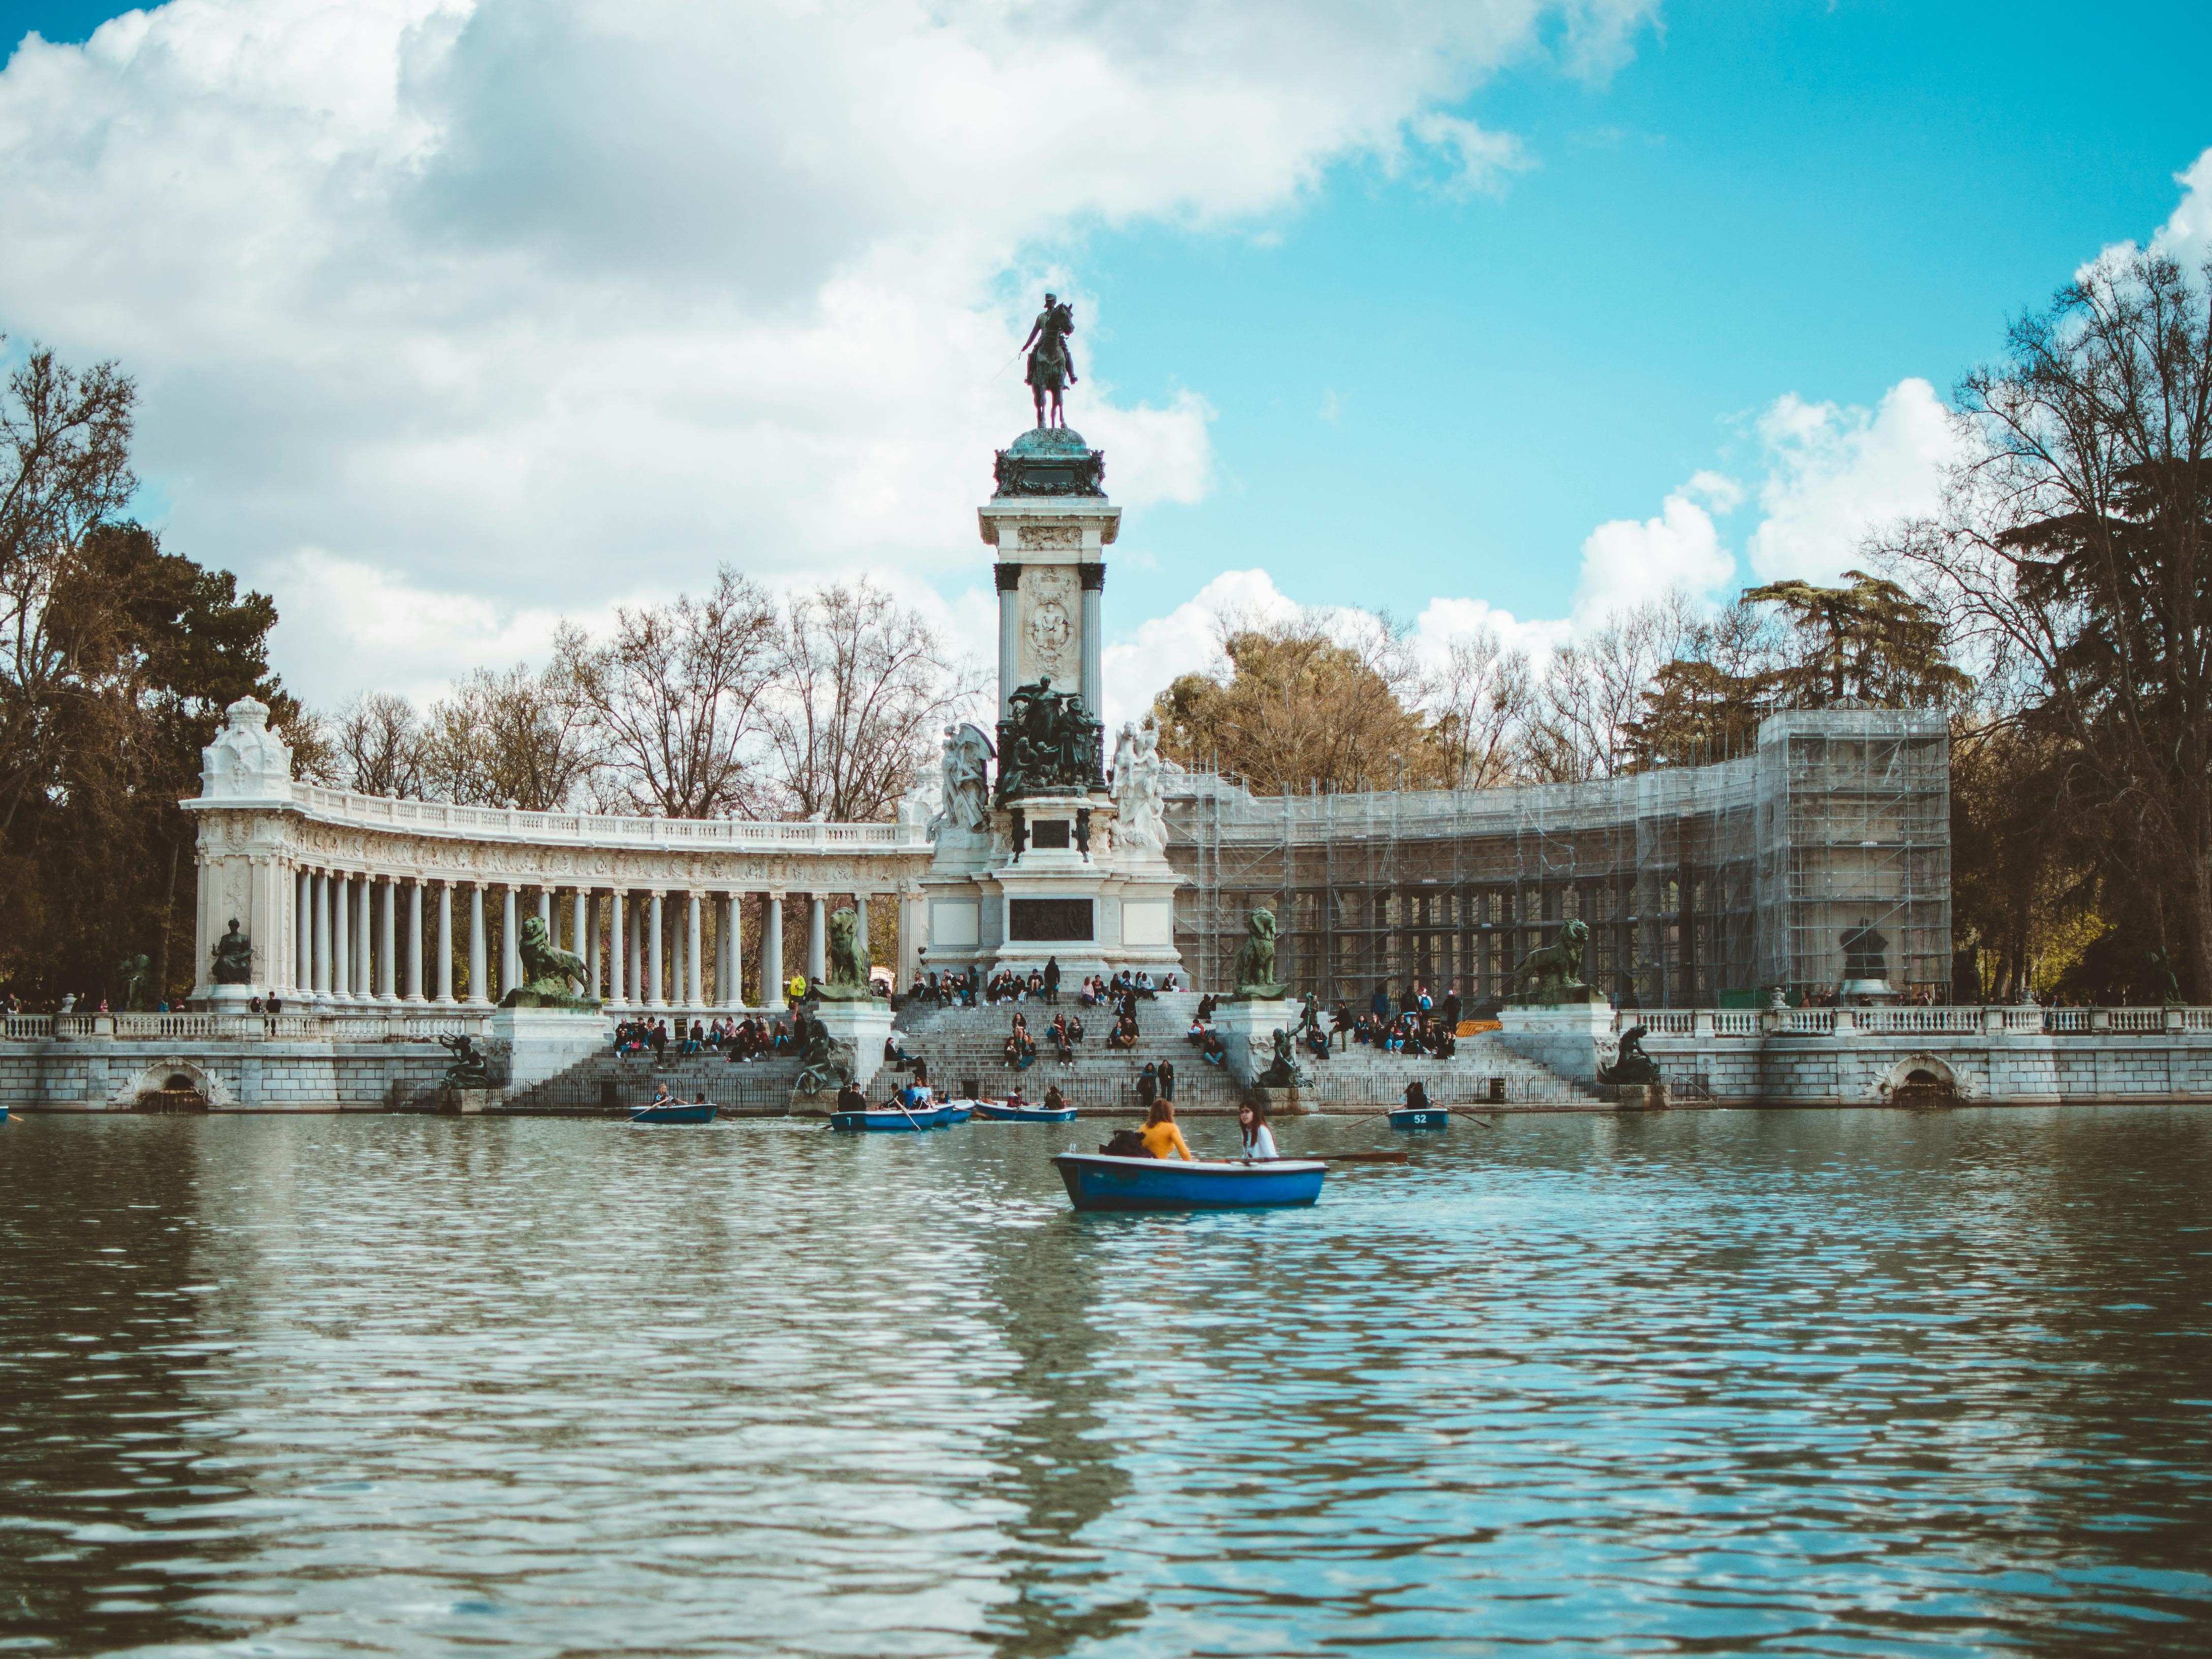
1259, 1139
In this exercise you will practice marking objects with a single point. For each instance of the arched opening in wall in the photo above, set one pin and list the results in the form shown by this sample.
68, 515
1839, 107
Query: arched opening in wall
1922, 1087
179, 1093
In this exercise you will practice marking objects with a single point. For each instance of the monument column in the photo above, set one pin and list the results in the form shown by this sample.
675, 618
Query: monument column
771, 948
479, 963
445, 980
1094, 637
818, 943
1009, 632
578, 928
653, 964
861, 923
364, 985
545, 915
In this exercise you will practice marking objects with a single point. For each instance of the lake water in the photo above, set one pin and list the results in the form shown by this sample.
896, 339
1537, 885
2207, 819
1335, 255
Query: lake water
1804, 1383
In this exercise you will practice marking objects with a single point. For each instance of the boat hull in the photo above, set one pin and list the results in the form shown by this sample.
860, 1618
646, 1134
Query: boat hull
1424, 1117
691, 1114
999, 1113
1098, 1182
893, 1122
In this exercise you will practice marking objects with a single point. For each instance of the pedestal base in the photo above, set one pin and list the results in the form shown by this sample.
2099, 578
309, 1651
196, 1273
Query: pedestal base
862, 1027
225, 999
1248, 1029
537, 1043
1643, 1097
1564, 1038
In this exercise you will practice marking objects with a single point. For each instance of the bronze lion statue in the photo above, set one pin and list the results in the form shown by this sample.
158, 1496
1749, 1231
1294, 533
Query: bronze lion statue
1550, 969
1255, 957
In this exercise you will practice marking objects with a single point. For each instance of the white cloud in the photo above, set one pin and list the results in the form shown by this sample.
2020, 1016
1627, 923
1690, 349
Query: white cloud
1445, 622
2186, 236
1835, 473
1627, 564
541, 304
1141, 664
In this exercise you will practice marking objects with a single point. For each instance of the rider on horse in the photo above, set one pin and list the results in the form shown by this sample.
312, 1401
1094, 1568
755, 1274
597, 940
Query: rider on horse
1051, 366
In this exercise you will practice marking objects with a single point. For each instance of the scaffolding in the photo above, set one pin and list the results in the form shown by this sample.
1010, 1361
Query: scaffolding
1698, 884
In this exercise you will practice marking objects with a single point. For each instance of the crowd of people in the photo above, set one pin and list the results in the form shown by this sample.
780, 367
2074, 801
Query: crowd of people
965, 988
735, 1040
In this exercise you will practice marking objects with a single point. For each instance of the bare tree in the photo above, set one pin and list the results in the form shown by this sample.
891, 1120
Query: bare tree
863, 684
677, 698
1481, 700
376, 745
1593, 691
518, 736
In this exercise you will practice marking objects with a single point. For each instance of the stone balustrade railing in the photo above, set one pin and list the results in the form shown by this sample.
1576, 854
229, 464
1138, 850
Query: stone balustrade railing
601, 830
1913, 1021
375, 1027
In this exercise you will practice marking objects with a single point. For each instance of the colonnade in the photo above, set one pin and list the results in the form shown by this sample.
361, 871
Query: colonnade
365, 939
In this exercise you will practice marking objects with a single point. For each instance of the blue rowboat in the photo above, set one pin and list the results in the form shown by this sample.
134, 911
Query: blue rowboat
1002, 1114
958, 1111
1421, 1117
697, 1112
893, 1120
1097, 1182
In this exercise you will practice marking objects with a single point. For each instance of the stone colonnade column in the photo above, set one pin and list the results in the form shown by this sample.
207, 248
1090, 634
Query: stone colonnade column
727, 960
633, 947
479, 967
652, 980
818, 943
364, 989
387, 940
510, 939
414, 940
322, 902
303, 934
695, 981
675, 968
545, 915
342, 937
771, 952
617, 955
446, 943
580, 924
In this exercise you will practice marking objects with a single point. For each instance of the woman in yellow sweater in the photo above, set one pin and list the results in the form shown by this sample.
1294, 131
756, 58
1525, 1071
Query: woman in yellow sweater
1160, 1135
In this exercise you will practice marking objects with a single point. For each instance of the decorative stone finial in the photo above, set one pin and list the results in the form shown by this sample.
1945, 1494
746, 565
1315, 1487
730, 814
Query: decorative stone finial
247, 760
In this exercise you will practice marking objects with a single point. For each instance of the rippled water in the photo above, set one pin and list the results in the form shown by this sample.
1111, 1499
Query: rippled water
1792, 1382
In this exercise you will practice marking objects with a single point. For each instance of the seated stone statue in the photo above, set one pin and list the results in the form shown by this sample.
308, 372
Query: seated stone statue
1631, 1065
1283, 1073
469, 1069
233, 957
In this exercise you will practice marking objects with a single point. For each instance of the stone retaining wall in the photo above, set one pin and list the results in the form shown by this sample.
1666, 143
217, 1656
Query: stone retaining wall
111, 1075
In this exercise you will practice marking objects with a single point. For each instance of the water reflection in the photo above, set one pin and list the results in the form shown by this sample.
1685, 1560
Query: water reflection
1810, 1382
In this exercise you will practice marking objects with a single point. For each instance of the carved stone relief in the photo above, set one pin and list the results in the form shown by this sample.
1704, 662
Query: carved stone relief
1050, 604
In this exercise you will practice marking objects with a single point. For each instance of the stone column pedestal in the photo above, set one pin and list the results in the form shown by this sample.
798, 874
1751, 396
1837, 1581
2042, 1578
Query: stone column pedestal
1246, 1031
863, 1026
538, 1043
1567, 1038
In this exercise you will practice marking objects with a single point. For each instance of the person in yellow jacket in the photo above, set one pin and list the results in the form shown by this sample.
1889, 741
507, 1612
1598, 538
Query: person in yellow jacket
1160, 1135
797, 989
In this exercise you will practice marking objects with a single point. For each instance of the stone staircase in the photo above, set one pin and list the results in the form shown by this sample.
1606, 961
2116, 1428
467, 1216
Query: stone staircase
960, 1043
608, 1083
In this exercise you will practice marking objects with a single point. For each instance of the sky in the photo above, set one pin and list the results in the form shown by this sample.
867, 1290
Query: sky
452, 317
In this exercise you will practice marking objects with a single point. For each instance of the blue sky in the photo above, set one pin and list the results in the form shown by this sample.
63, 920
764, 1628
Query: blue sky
1690, 263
